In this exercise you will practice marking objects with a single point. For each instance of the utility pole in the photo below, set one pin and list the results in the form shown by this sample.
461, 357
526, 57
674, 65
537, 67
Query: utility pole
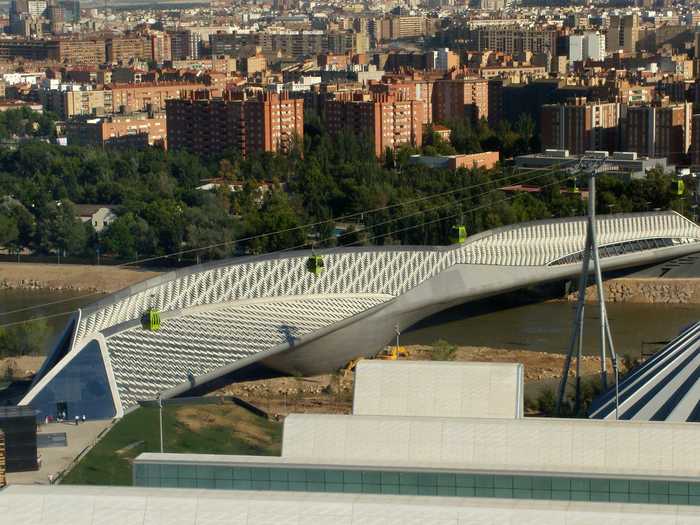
160, 420
590, 254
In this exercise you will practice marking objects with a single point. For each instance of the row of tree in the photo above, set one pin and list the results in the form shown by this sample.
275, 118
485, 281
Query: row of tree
324, 181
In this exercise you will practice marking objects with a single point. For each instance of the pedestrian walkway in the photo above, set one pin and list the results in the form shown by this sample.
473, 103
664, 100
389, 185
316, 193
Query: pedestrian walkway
55, 459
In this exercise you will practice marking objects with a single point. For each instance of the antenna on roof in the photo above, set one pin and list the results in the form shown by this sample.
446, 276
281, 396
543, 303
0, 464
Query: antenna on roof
591, 167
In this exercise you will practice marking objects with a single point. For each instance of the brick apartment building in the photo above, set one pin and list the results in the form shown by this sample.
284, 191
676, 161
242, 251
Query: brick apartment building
389, 122
695, 143
466, 98
115, 98
121, 131
251, 125
142, 95
72, 51
510, 40
581, 126
124, 48
659, 130
402, 90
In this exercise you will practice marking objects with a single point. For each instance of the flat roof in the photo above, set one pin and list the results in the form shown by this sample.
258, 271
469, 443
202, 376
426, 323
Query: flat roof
90, 505
442, 389
556, 446
222, 460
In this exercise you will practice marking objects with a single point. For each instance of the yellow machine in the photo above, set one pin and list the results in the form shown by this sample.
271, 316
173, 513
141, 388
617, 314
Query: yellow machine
392, 353
350, 366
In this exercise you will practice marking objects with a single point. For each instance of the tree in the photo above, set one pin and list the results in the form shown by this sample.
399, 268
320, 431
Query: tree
9, 231
129, 237
69, 234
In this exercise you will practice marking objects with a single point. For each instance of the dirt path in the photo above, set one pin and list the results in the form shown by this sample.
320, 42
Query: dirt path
79, 277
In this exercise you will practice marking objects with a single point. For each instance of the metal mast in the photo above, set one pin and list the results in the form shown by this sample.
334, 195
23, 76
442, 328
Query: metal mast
590, 167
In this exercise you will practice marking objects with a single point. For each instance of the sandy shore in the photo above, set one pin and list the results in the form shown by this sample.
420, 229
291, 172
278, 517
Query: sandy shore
79, 277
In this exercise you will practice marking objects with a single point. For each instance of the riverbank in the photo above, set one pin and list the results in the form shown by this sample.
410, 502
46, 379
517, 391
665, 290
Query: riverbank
76, 277
647, 291
332, 393
22, 367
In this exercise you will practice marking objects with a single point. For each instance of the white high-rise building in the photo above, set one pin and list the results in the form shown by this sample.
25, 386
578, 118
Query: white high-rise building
576, 48
36, 7
594, 45
588, 46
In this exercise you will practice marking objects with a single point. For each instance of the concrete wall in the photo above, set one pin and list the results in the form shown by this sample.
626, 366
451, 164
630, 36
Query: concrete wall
528, 444
440, 389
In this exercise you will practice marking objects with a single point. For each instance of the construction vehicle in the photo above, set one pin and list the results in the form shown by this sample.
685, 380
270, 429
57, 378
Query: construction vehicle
392, 353
350, 366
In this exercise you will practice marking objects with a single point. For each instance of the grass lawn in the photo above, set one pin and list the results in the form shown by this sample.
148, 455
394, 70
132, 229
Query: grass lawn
213, 429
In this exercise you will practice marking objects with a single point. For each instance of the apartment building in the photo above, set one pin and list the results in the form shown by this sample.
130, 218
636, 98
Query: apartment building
589, 45
388, 122
403, 90
140, 96
623, 33
72, 101
74, 52
119, 131
251, 125
514, 39
695, 142
396, 27
185, 44
160, 47
461, 98
289, 43
80, 52
663, 130
124, 48
581, 126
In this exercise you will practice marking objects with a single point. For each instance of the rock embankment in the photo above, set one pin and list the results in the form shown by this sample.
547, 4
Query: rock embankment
647, 291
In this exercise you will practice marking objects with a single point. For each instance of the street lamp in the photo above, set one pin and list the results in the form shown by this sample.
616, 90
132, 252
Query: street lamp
160, 420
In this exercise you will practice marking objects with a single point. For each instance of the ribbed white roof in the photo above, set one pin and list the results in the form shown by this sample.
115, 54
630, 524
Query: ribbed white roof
665, 388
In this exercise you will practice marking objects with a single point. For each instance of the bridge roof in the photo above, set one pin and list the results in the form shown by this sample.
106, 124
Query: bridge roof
222, 316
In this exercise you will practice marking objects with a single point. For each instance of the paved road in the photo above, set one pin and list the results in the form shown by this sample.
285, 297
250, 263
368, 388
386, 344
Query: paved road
56, 459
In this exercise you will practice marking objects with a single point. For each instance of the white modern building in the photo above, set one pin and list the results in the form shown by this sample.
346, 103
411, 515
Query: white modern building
428, 449
420, 463
587, 46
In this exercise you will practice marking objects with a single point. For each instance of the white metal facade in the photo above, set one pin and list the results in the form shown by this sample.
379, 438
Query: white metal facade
383, 271
235, 311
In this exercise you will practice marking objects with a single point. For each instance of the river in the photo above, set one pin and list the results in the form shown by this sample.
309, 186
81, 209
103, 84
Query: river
540, 326
42, 303
546, 326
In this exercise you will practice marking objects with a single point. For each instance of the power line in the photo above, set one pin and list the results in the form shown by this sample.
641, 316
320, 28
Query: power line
547, 171
332, 219
425, 223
